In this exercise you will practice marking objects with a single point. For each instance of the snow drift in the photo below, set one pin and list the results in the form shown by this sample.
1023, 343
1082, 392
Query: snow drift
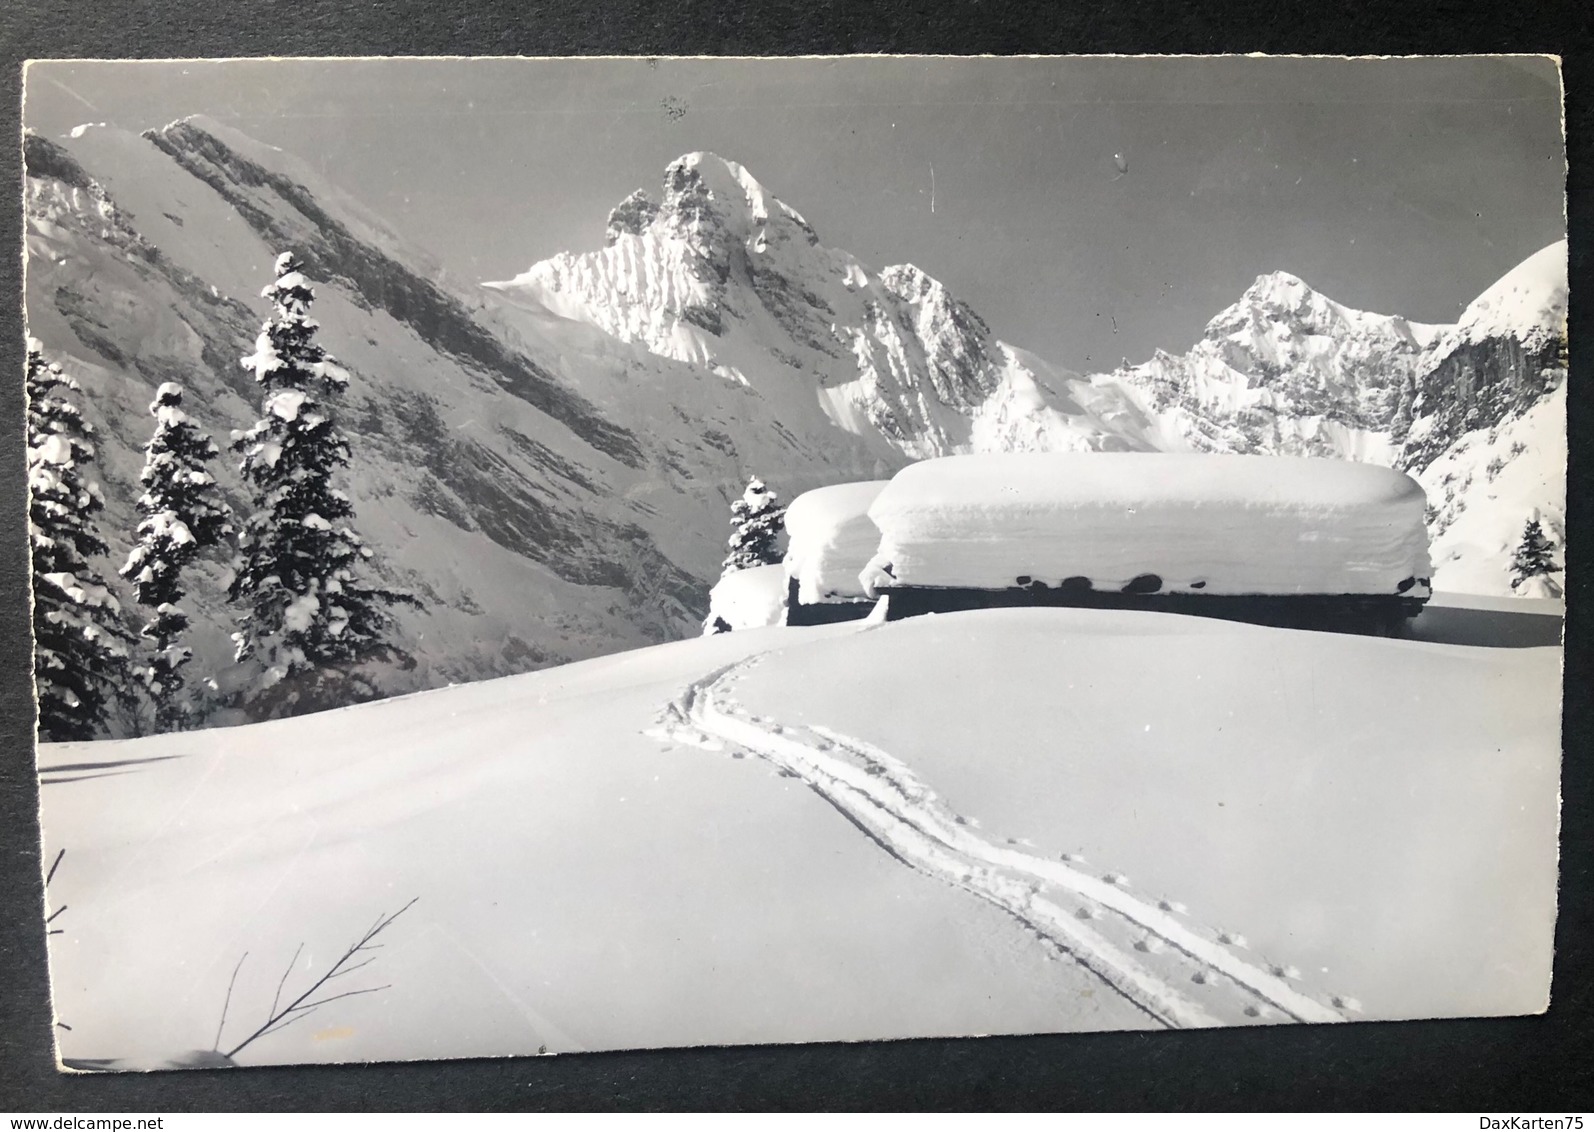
747, 599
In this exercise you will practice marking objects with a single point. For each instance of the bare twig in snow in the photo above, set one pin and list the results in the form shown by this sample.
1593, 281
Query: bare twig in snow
306, 1004
48, 877
226, 1002
282, 982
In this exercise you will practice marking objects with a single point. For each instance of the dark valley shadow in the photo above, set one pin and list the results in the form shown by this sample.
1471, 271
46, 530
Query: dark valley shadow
1491, 628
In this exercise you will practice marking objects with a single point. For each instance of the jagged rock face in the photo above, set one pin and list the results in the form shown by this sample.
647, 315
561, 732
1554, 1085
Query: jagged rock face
1487, 437
957, 343
1507, 351
630, 217
1478, 385
1289, 371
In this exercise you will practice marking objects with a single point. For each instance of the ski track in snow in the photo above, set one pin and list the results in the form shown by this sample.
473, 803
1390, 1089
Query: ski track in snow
881, 796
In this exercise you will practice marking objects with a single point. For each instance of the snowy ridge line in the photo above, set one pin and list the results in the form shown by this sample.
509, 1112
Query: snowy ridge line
1257, 980
694, 718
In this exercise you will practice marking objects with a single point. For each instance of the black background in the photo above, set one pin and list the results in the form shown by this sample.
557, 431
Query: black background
1541, 1064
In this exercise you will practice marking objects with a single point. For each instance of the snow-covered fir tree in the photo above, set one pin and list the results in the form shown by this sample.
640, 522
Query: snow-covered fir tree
184, 514
80, 666
311, 617
756, 528
1534, 558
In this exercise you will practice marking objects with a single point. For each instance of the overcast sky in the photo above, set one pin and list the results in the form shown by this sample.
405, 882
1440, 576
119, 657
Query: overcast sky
1403, 186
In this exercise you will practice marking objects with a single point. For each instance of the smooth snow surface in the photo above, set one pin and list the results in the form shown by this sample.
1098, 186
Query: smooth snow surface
748, 599
582, 886
832, 538
1023, 820
1377, 815
1213, 524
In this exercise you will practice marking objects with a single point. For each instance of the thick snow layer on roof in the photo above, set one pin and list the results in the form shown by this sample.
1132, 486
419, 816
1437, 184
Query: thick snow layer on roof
1200, 523
832, 538
749, 599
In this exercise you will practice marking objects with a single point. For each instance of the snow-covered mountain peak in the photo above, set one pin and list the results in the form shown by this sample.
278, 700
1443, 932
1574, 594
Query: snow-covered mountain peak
1488, 429
721, 273
1280, 305
1285, 369
1279, 288
704, 190
1528, 303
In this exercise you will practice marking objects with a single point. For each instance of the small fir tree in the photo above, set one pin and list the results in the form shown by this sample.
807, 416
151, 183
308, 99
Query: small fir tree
309, 614
756, 528
1533, 558
80, 663
183, 515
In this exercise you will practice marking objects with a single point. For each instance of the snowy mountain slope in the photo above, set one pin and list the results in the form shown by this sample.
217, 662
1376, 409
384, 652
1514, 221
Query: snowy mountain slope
549, 491
590, 877
1488, 432
1486, 486
722, 274
1507, 351
1527, 304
